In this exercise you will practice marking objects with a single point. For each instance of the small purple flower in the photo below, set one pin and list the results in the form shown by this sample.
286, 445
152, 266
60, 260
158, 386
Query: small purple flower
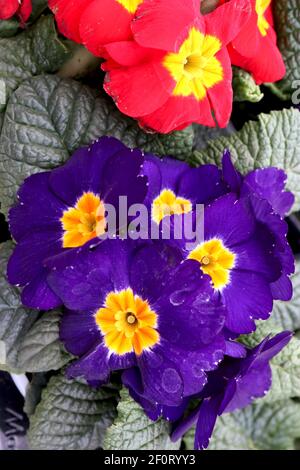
244, 250
132, 306
65, 209
175, 187
233, 386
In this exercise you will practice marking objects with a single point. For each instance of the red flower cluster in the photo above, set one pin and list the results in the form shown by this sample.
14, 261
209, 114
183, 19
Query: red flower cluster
166, 64
21, 8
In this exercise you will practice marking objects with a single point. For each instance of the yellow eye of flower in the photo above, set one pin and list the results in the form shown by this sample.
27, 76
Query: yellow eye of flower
260, 7
127, 323
130, 5
195, 67
83, 222
215, 260
167, 204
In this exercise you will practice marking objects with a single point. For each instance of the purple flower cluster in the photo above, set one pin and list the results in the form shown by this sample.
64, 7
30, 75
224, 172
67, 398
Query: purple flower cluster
164, 313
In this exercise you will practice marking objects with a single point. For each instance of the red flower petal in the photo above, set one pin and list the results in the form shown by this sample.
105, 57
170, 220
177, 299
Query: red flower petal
162, 24
67, 14
221, 95
247, 41
129, 53
267, 65
141, 89
227, 20
25, 10
178, 113
8, 8
103, 22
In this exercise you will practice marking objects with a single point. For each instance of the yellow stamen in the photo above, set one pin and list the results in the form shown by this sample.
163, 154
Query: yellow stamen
130, 5
127, 323
83, 222
215, 260
195, 67
167, 204
260, 7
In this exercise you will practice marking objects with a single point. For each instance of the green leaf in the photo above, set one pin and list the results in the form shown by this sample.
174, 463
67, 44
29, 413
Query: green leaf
32, 52
274, 140
133, 430
8, 28
26, 344
41, 349
259, 427
244, 87
286, 15
48, 118
34, 392
287, 314
71, 416
15, 321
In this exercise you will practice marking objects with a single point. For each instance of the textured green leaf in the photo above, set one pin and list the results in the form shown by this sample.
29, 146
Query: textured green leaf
259, 427
34, 392
32, 52
287, 19
274, 140
71, 416
41, 350
203, 135
48, 118
15, 321
244, 87
287, 314
8, 28
133, 430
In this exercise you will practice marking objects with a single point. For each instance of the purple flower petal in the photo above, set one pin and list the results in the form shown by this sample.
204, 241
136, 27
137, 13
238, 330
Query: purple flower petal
269, 183
247, 297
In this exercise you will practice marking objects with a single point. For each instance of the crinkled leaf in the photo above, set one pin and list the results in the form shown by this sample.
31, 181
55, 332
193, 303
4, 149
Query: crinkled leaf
203, 135
71, 416
8, 28
244, 87
133, 430
41, 349
287, 314
34, 392
287, 19
32, 52
48, 118
15, 321
273, 140
28, 344
259, 427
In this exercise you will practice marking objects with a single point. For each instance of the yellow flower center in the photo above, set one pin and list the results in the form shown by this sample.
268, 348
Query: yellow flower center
261, 6
127, 323
195, 67
215, 260
83, 222
167, 204
130, 5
